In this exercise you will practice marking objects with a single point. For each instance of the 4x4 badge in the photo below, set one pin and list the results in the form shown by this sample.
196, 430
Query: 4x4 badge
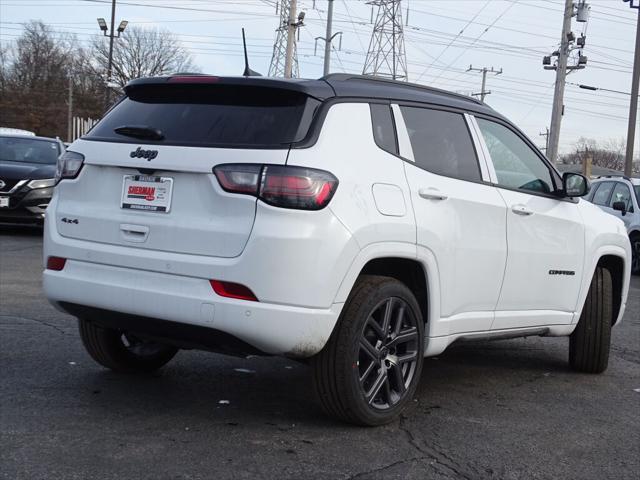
140, 153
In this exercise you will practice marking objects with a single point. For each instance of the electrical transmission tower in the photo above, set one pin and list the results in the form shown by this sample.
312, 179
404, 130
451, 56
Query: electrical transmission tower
284, 61
386, 56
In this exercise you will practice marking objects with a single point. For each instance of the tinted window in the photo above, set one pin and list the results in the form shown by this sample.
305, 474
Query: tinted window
384, 132
517, 165
205, 115
621, 193
28, 150
441, 143
637, 189
601, 197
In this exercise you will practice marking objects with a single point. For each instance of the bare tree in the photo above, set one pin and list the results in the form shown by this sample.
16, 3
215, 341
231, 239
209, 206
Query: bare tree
608, 154
143, 52
35, 74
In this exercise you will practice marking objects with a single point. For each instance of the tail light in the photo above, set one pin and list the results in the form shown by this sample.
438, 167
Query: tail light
69, 165
56, 263
232, 290
281, 186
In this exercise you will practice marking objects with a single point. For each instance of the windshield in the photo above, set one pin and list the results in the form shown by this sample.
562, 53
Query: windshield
28, 150
637, 189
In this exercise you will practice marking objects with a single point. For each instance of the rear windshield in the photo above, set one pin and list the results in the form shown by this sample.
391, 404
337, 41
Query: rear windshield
211, 115
28, 150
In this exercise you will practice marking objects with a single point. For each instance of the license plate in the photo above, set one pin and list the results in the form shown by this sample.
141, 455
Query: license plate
147, 193
4, 202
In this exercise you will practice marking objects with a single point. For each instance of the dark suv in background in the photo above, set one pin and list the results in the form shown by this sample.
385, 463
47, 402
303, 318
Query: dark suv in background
27, 171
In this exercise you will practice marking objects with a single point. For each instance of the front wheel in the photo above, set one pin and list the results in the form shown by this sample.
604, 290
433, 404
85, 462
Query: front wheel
121, 351
590, 342
370, 368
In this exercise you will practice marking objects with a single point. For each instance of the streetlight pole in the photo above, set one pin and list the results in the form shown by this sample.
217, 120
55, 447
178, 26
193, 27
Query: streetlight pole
110, 64
112, 36
633, 104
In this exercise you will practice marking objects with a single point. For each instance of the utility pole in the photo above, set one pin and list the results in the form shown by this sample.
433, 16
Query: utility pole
328, 39
633, 103
291, 38
386, 56
546, 139
561, 76
561, 67
70, 110
284, 60
484, 92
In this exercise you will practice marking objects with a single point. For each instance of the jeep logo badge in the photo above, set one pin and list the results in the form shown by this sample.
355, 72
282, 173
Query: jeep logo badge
140, 153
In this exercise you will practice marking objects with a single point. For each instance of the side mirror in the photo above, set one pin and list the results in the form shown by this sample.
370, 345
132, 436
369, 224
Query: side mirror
620, 207
575, 185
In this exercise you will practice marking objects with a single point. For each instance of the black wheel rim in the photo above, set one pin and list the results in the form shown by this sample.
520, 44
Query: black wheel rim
139, 347
387, 355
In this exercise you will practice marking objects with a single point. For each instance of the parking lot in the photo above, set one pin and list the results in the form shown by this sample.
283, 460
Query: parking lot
504, 409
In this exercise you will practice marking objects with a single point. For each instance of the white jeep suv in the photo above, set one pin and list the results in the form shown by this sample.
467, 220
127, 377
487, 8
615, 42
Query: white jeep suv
359, 223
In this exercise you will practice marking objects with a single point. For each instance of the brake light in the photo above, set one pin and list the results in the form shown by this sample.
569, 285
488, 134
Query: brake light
281, 186
232, 290
56, 263
69, 165
193, 79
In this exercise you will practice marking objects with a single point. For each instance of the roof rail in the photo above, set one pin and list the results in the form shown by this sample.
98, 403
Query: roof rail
615, 175
348, 76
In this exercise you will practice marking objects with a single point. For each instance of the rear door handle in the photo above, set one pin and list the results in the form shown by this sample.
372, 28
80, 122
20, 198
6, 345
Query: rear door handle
432, 194
521, 210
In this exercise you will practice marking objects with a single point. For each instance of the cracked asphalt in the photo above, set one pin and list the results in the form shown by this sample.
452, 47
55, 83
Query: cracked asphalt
493, 410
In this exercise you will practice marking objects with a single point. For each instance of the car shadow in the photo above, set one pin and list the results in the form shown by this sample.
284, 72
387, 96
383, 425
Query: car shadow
200, 388
13, 229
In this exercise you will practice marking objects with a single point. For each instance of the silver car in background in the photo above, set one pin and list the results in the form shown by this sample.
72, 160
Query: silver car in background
620, 196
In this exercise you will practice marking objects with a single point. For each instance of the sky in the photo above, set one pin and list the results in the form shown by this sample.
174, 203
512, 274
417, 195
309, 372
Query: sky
442, 39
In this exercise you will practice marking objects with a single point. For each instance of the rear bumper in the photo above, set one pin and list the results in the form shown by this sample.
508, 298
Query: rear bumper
117, 296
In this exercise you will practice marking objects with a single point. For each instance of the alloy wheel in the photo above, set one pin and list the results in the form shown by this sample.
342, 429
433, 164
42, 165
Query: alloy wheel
388, 353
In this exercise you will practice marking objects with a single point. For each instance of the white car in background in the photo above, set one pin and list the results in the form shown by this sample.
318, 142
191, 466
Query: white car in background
359, 223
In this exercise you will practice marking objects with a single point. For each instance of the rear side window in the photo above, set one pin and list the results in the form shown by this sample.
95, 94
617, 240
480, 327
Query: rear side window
212, 115
601, 197
384, 132
441, 143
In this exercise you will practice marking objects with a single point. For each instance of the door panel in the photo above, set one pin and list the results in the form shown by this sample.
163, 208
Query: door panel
461, 222
545, 235
546, 255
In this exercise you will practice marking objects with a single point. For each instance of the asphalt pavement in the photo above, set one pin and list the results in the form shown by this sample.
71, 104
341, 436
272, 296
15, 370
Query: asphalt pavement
493, 410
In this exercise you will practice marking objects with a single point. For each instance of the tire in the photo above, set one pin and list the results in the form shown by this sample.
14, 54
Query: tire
635, 254
365, 375
590, 342
122, 352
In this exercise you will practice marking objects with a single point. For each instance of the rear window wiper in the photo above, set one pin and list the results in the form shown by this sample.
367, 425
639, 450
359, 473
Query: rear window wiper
140, 131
